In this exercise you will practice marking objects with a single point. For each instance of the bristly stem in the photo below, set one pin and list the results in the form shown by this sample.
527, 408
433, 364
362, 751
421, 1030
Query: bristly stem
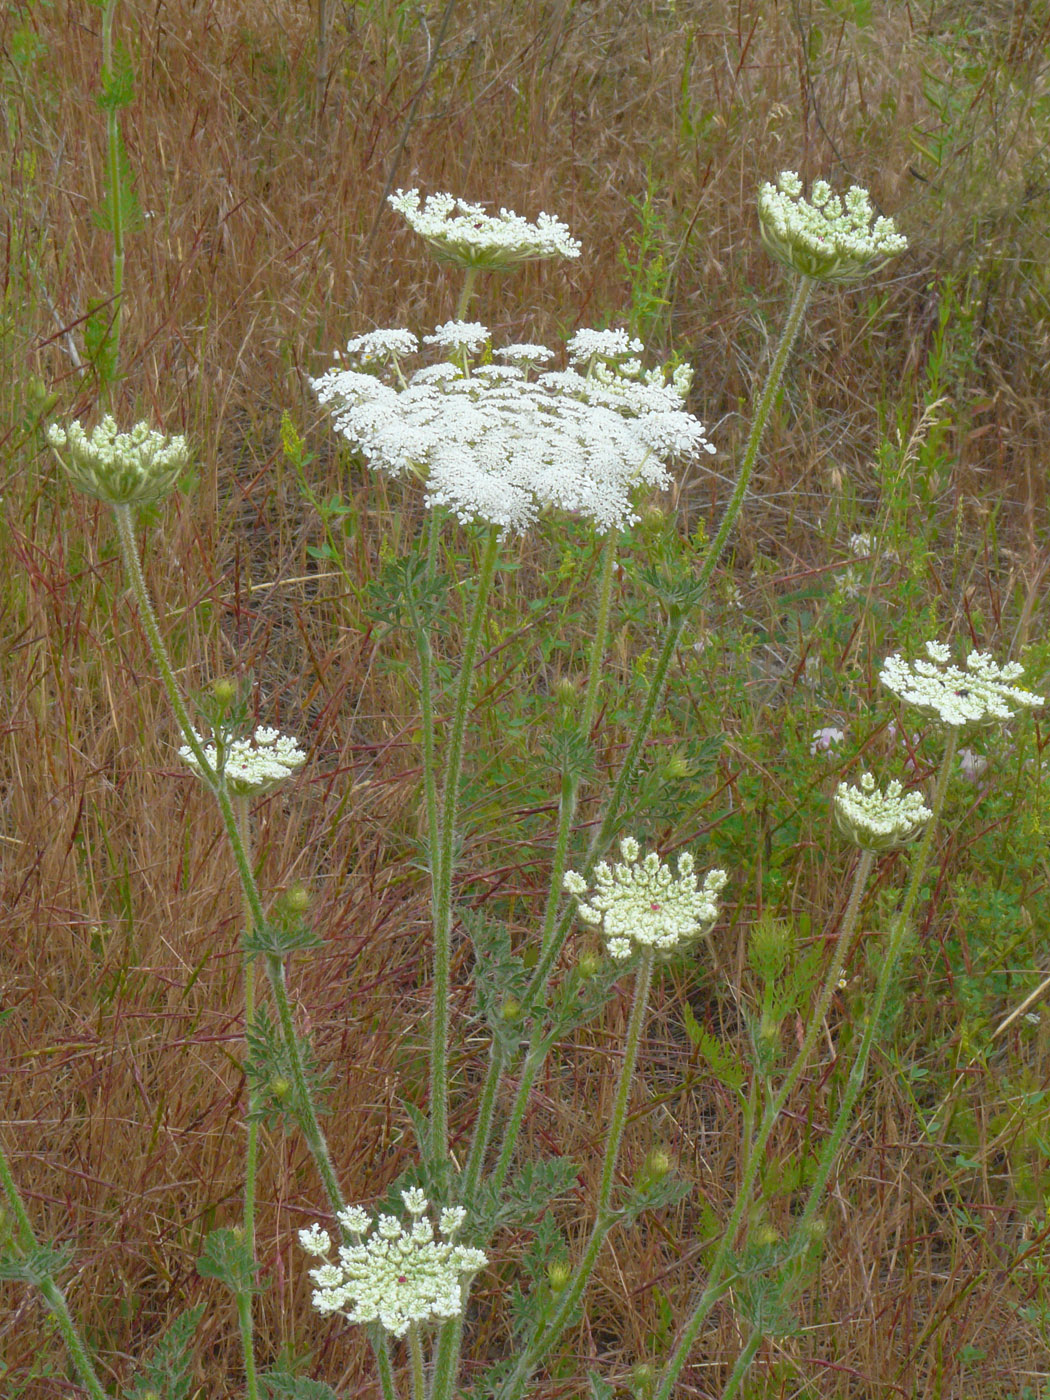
309, 1121
52, 1293
717, 1275
442, 894
251, 1156
513, 1387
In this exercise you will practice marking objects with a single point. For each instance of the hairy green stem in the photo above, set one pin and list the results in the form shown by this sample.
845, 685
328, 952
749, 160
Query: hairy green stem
553, 935
114, 177
716, 1279
513, 1387
743, 1364
52, 1293
415, 1352
251, 1156
887, 972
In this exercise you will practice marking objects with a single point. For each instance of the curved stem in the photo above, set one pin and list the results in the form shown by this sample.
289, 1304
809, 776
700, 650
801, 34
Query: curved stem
52, 1293
743, 1364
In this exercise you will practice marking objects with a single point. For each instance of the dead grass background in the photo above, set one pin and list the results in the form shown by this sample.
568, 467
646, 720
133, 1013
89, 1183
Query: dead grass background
122, 1099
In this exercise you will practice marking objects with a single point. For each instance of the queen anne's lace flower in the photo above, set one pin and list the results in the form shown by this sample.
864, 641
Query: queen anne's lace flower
641, 904
879, 821
252, 768
395, 1274
825, 237
468, 236
983, 692
122, 469
494, 443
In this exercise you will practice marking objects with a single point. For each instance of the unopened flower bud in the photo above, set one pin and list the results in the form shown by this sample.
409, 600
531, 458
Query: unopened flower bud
224, 691
643, 1378
565, 691
280, 1088
510, 1010
297, 899
558, 1276
588, 965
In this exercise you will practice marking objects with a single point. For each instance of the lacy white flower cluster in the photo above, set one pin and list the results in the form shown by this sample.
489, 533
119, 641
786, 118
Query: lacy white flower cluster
825, 237
879, 821
641, 904
121, 469
502, 442
464, 234
398, 1275
251, 767
983, 692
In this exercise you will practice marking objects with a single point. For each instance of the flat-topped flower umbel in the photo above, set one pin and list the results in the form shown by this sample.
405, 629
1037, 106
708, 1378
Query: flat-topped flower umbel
825, 237
499, 443
876, 820
395, 1274
641, 904
251, 766
122, 469
466, 235
983, 693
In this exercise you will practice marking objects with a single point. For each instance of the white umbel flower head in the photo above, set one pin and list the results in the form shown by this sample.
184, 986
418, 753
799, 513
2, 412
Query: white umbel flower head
469, 237
825, 237
879, 821
122, 469
981, 694
395, 1273
252, 766
639, 903
499, 443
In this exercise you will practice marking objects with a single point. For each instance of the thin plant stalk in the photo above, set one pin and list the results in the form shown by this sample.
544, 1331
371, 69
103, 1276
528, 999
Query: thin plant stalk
679, 616
442, 895
52, 1293
307, 1116
743, 1364
251, 1155
552, 938
114, 176
887, 971
415, 1352
605, 1217
716, 1282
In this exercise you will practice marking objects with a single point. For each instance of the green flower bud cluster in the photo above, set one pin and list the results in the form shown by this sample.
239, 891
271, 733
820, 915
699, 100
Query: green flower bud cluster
826, 238
879, 821
121, 469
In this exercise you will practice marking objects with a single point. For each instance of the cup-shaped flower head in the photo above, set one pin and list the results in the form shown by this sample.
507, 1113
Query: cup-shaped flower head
638, 903
469, 237
395, 1274
825, 237
254, 765
876, 820
500, 442
980, 694
122, 469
